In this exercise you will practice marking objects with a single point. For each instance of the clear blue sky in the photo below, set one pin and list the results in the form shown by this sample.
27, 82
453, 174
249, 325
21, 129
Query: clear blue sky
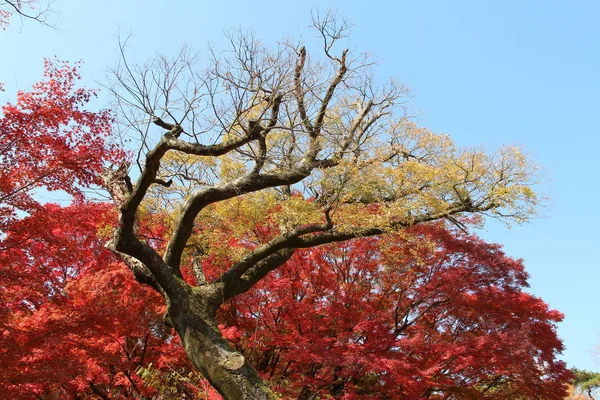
485, 72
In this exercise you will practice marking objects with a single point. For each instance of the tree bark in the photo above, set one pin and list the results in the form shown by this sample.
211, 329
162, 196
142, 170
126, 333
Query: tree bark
228, 371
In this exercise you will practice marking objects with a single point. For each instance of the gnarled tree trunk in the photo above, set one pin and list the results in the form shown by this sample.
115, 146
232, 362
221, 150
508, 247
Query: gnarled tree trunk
193, 317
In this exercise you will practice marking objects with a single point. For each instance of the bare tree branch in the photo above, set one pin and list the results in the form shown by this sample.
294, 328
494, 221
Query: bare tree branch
36, 10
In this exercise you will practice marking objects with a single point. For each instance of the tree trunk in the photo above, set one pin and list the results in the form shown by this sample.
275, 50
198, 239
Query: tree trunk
227, 370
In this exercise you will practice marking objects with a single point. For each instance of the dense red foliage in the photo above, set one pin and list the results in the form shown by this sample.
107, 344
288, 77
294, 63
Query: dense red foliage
73, 319
431, 314
49, 140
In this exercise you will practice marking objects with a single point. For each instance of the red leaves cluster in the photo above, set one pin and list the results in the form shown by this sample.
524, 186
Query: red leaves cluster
74, 321
430, 314
49, 140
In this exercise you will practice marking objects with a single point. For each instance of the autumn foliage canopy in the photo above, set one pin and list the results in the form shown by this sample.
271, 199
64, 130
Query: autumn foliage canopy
49, 140
319, 249
430, 313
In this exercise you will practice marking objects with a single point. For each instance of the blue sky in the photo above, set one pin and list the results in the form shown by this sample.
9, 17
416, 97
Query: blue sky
484, 72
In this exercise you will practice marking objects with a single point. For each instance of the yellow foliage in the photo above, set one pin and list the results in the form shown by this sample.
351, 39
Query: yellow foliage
418, 175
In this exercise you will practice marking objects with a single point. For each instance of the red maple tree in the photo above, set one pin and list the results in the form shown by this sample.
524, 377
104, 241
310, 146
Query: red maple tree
73, 319
433, 313
49, 140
